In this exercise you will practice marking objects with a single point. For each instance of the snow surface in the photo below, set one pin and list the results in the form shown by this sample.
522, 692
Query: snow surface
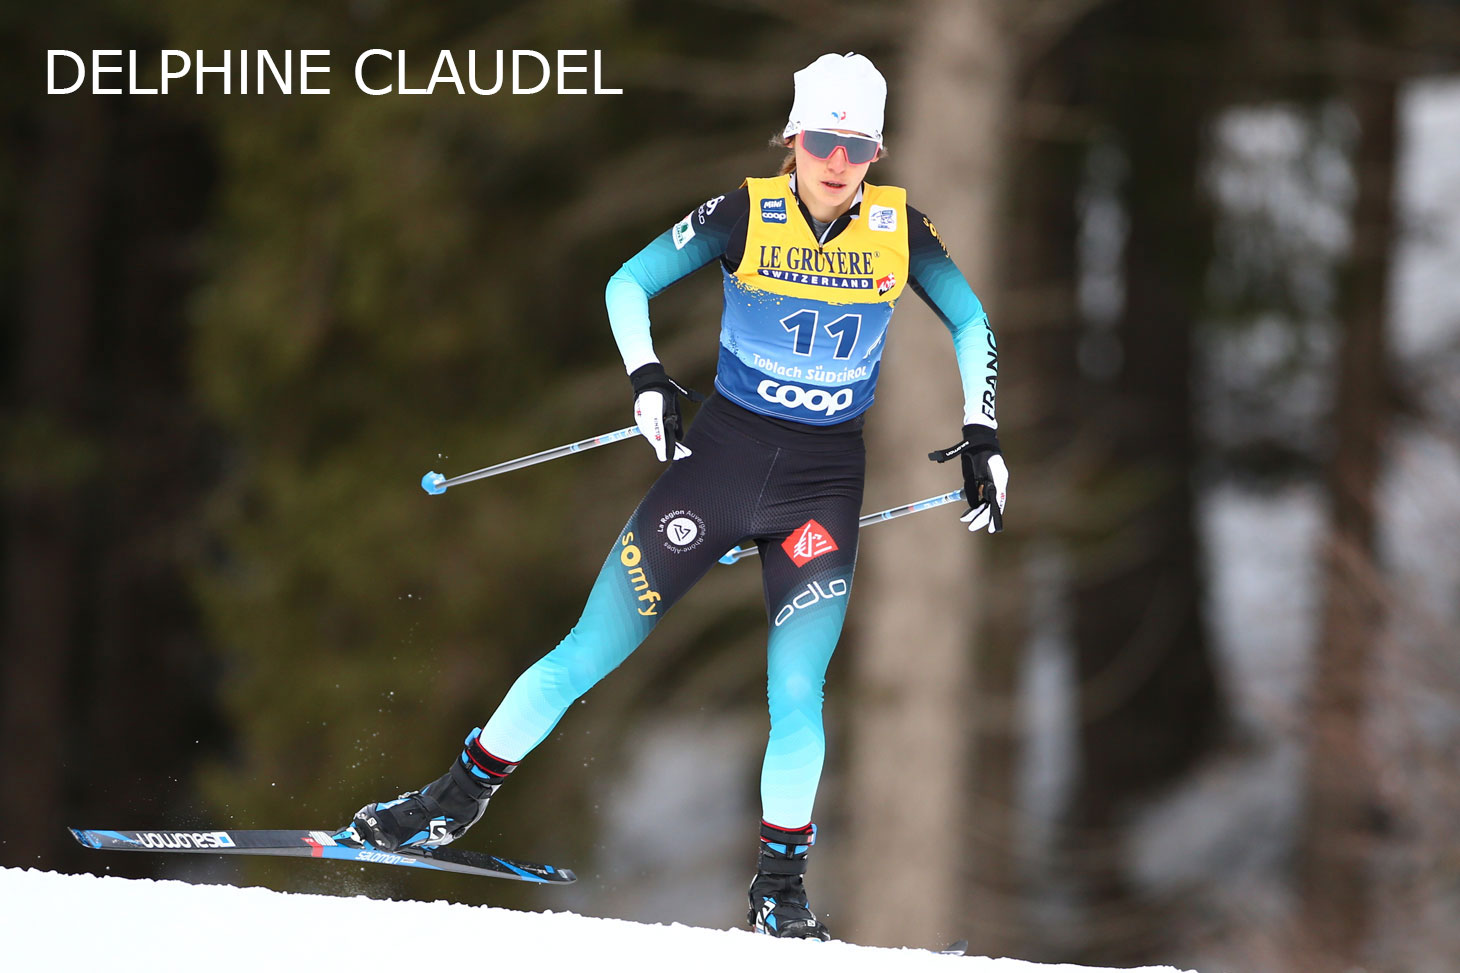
85, 922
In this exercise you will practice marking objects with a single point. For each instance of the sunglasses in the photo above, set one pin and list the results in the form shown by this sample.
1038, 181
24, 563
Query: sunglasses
821, 144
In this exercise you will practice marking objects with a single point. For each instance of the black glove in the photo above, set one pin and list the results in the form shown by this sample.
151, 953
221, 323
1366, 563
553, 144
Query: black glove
985, 476
656, 409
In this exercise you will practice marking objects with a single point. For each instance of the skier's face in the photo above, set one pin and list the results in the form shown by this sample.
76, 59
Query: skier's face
828, 186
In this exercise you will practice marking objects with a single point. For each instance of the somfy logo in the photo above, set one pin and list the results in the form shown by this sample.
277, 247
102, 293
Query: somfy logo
814, 400
629, 557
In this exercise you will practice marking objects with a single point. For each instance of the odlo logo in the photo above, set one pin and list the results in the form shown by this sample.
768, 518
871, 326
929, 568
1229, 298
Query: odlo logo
808, 542
708, 208
795, 397
629, 557
810, 595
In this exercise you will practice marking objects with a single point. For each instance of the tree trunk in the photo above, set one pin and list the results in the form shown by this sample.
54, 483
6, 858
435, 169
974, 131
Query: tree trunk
1343, 815
918, 600
1038, 325
44, 599
1149, 699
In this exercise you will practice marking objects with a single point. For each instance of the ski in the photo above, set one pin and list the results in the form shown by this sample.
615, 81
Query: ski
321, 844
956, 948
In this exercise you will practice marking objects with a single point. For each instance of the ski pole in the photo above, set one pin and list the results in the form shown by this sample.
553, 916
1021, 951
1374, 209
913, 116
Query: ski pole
434, 483
891, 513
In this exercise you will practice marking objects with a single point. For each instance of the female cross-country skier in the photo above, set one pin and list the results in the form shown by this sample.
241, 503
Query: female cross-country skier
813, 262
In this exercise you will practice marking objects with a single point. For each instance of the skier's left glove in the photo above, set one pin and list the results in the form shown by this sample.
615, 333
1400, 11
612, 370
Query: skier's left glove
656, 409
985, 476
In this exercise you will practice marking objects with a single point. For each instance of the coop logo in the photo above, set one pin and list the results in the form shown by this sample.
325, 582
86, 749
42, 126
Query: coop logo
683, 530
813, 400
773, 210
186, 839
808, 542
810, 595
629, 556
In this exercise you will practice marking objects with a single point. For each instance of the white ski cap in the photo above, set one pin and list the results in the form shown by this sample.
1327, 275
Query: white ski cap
839, 91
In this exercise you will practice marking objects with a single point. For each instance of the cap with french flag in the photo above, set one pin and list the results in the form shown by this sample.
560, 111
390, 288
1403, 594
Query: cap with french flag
839, 91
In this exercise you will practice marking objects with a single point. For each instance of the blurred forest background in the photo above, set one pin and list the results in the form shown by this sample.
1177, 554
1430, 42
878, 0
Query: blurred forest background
1197, 705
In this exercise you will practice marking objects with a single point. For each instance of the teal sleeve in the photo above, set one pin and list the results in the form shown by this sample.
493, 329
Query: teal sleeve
937, 280
674, 254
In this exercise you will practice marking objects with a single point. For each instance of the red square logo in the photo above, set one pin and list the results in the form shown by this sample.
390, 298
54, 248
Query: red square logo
811, 540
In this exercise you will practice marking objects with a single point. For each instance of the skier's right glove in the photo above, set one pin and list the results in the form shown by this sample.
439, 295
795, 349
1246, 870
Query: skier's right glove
985, 477
656, 410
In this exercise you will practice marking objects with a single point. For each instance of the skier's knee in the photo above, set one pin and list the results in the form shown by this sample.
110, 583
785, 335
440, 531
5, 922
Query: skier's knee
795, 692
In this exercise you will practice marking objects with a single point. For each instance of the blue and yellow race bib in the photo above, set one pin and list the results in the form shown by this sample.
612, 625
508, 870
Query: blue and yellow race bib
804, 323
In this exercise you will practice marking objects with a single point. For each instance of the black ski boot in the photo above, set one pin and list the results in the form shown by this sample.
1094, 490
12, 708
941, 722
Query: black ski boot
438, 813
777, 896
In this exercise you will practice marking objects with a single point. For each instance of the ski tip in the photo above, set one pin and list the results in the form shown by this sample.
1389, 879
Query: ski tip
84, 837
958, 948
